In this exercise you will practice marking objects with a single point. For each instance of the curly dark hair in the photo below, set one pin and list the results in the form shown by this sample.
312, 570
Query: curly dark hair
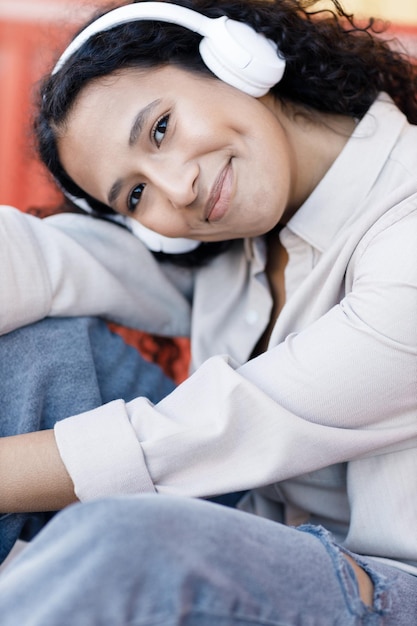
333, 64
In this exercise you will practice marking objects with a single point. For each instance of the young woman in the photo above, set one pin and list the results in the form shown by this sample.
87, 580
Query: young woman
303, 328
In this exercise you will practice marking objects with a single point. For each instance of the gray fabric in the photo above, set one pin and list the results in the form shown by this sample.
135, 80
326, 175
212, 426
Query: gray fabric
60, 367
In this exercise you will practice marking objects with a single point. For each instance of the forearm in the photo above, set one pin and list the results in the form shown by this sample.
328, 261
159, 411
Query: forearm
32, 475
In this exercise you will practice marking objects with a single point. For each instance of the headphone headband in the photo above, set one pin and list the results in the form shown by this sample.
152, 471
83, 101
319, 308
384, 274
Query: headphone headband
161, 11
232, 50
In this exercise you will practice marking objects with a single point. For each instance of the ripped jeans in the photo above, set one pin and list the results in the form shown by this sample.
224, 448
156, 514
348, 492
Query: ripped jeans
164, 560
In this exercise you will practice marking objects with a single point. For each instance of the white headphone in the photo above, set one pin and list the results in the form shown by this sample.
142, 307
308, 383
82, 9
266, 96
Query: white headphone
232, 50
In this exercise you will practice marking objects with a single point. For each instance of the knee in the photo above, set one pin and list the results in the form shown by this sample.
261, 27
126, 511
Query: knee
153, 527
149, 517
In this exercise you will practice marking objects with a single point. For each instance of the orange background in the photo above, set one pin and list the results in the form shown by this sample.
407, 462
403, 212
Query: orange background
31, 34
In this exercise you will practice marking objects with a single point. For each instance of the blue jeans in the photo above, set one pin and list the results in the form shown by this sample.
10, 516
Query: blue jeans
57, 368
164, 561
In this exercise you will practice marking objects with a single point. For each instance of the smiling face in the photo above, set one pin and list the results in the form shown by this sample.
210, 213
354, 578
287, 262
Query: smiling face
184, 154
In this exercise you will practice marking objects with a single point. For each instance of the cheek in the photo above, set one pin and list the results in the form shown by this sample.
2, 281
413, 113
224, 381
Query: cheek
273, 183
277, 161
168, 224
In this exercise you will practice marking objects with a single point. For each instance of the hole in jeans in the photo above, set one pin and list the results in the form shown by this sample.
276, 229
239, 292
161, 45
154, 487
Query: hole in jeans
365, 584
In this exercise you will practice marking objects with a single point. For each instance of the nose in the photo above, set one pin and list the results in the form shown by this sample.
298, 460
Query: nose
176, 181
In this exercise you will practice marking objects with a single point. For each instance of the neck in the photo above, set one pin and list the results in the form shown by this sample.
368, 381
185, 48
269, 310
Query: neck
315, 140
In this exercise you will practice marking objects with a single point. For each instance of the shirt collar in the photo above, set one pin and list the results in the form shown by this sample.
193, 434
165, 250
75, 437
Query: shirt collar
351, 177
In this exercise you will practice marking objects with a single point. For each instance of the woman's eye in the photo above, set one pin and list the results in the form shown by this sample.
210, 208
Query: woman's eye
134, 197
160, 129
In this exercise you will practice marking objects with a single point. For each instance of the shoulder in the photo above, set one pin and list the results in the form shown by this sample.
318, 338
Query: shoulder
391, 241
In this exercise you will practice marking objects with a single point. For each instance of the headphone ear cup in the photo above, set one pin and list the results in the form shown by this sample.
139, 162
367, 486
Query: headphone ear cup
241, 57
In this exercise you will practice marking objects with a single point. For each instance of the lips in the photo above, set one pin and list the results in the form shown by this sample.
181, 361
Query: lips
219, 198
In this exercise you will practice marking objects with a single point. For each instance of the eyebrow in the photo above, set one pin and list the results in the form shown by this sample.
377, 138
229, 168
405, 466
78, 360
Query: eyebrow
140, 121
138, 124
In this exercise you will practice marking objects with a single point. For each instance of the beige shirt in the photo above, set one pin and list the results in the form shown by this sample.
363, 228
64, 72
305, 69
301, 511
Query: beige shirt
323, 426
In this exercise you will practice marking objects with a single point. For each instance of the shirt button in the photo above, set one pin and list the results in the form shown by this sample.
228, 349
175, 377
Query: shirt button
252, 317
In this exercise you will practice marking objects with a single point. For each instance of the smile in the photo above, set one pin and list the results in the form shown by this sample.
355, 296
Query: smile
220, 195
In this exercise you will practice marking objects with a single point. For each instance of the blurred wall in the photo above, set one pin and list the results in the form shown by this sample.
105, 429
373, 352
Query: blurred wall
32, 32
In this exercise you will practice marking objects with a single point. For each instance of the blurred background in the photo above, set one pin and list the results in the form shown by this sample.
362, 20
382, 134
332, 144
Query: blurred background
33, 32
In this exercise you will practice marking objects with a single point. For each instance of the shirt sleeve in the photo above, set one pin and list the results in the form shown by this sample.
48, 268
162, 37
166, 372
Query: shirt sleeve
61, 266
342, 389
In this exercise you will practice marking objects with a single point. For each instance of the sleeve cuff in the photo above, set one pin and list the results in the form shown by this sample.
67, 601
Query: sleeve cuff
101, 453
